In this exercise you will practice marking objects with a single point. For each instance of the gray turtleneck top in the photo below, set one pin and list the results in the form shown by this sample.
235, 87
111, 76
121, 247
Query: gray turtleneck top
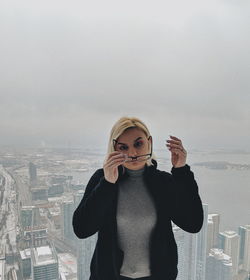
136, 217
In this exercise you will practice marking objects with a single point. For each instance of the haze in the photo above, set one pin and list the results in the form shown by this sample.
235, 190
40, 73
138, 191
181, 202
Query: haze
70, 69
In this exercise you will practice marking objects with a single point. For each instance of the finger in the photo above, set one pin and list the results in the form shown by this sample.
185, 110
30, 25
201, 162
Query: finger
113, 162
108, 156
112, 154
174, 141
177, 151
118, 155
174, 137
121, 155
175, 146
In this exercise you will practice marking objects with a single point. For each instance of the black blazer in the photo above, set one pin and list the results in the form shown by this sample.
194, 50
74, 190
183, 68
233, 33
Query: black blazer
175, 197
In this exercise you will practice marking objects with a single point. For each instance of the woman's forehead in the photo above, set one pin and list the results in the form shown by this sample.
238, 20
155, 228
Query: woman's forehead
132, 135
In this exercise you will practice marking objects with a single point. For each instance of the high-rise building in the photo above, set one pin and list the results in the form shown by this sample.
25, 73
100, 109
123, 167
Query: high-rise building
192, 251
33, 233
25, 263
55, 190
229, 241
244, 254
67, 209
85, 250
85, 247
213, 231
210, 235
183, 265
35, 236
44, 263
32, 174
26, 216
219, 265
2, 269
39, 193
78, 197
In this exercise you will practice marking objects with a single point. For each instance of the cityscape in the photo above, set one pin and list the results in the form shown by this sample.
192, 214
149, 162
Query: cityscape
41, 188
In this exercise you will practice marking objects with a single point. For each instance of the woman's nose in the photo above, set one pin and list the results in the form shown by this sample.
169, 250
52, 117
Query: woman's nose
132, 152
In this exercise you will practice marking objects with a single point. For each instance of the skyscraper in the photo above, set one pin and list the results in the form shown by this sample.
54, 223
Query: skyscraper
67, 209
192, 251
219, 265
229, 241
244, 254
44, 263
32, 174
85, 247
213, 231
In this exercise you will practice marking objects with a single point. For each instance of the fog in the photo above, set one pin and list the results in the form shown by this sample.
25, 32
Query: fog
70, 69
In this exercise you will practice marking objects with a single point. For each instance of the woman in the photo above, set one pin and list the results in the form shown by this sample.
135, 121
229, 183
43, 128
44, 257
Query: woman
131, 203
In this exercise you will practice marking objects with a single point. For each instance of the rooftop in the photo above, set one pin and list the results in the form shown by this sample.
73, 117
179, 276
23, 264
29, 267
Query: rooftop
44, 255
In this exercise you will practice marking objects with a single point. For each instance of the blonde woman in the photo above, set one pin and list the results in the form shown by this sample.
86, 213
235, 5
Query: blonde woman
131, 203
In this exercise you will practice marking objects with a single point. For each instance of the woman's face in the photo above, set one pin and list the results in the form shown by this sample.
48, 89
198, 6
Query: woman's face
133, 142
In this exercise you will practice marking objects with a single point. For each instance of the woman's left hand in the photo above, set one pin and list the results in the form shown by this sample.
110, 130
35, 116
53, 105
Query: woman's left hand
178, 153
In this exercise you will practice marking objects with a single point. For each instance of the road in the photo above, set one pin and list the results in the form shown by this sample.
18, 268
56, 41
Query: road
8, 213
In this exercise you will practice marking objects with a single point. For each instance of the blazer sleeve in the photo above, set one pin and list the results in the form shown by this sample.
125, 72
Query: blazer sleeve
90, 214
186, 205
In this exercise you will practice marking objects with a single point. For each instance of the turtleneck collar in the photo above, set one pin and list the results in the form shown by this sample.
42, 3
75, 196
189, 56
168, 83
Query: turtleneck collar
135, 173
148, 170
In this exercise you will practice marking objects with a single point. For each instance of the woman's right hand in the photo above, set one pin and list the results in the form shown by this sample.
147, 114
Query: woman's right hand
112, 161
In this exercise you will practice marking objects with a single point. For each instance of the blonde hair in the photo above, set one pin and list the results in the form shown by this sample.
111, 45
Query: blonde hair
123, 124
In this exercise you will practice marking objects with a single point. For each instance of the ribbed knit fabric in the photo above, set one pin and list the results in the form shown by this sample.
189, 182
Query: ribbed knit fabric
136, 217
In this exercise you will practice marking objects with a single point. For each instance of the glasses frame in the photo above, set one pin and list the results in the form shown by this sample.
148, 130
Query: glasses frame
136, 157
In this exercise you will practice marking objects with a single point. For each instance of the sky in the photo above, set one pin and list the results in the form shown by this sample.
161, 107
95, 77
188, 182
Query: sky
70, 69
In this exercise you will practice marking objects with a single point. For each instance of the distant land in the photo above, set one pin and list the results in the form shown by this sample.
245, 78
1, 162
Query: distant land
223, 165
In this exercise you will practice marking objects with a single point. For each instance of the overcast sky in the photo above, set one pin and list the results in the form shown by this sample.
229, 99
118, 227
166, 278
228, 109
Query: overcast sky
70, 69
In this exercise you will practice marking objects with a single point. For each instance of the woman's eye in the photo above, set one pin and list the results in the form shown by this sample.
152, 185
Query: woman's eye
123, 148
138, 144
